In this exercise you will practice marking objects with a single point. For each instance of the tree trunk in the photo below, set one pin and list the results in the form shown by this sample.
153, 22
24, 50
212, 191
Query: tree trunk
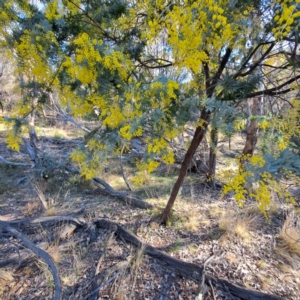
210, 83
211, 176
252, 131
197, 138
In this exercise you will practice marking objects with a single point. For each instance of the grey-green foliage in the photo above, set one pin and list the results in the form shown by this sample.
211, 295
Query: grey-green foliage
276, 165
235, 90
223, 114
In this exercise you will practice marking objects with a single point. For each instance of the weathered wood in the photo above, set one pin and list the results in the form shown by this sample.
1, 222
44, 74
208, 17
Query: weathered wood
49, 221
105, 188
12, 163
40, 253
107, 244
240, 291
104, 275
128, 200
191, 270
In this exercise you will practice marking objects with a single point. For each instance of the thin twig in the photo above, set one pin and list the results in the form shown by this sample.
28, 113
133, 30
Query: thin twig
122, 170
102, 285
107, 244
212, 289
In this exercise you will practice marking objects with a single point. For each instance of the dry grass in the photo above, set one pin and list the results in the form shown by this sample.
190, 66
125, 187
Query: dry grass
216, 211
3, 128
290, 234
264, 279
192, 222
289, 273
31, 208
231, 257
39, 188
239, 225
135, 269
50, 212
54, 251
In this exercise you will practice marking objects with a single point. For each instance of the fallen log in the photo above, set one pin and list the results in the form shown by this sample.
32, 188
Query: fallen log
128, 200
51, 220
240, 291
105, 188
191, 270
12, 163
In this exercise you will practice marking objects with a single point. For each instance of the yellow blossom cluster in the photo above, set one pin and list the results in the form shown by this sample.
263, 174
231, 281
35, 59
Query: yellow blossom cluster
256, 161
125, 132
198, 27
287, 125
95, 145
51, 11
237, 185
264, 124
88, 167
34, 61
13, 141
239, 124
285, 18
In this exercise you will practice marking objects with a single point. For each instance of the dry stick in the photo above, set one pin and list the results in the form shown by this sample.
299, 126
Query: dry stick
191, 270
40, 253
108, 190
122, 170
102, 285
108, 241
200, 290
212, 290
15, 247
139, 254
107, 244
105, 274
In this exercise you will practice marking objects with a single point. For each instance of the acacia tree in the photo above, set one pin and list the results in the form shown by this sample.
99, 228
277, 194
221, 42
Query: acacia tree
100, 54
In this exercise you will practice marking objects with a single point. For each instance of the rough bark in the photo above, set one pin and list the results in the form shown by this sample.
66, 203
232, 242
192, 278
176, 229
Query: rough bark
49, 221
198, 136
211, 176
252, 131
210, 83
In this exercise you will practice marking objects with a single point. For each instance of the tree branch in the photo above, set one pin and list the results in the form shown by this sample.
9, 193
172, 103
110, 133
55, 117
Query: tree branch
276, 90
40, 253
217, 76
249, 57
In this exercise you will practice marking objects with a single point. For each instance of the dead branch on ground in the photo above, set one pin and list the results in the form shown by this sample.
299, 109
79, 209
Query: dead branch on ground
12, 163
40, 253
105, 188
191, 270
